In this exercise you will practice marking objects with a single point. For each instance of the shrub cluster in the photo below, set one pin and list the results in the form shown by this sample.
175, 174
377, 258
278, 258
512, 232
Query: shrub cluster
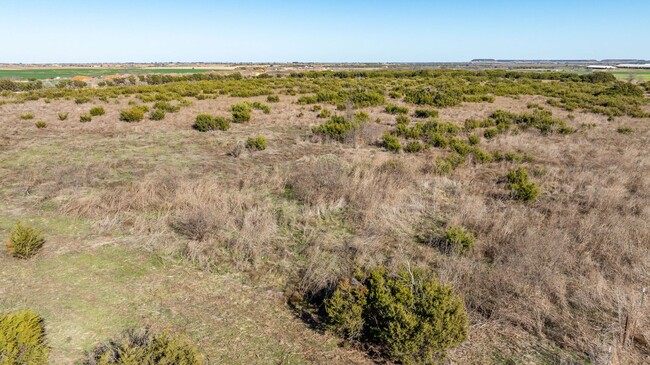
258, 143
133, 114
426, 113
97, 111
391, 143
24, 242
458, 239
409, 315
22, 339
337, 128
395, 109
207, 122
145, 347
522, 188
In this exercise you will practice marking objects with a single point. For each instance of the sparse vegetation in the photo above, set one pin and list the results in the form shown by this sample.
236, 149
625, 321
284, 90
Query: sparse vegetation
40, 124
27, 116
85, 118
62, 116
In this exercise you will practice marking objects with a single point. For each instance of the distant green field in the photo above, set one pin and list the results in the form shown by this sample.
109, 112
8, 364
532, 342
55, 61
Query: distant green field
625, 75
52, 73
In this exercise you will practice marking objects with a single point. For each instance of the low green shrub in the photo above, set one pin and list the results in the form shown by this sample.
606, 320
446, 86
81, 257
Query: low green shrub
24, 242
481, 156
396, 109
474, 139
361, 117
157, 114
414, 147
166, 107
241, 113
391, 143
458, 240
337, 128
207, 122
625, 130
490, 133
409, 315
22, 339
63, 116
273, 99
258, 143
426, 113
40, 124
97, 111
82, 100
143, 347
133, 114
522, 188
324, 114
27, 116
85, 118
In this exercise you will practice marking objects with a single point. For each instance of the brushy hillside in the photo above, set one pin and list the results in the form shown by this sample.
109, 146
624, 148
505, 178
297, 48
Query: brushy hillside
312, 217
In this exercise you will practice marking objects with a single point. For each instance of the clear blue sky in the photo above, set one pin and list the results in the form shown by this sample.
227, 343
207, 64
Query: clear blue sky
319, 30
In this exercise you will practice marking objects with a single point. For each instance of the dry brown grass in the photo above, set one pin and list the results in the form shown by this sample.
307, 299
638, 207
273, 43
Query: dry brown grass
552, 281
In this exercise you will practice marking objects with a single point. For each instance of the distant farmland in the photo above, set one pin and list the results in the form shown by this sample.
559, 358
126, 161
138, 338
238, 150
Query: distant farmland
51, 73
625, 75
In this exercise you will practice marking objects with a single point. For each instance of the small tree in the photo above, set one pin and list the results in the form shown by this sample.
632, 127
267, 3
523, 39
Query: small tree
24, 241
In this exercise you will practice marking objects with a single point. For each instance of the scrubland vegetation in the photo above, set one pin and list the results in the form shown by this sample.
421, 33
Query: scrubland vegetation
417, 217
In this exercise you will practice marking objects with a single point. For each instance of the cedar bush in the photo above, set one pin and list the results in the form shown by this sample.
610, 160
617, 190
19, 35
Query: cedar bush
133, 114
458, 240
207, 122
391, 143
97, 111
143, 347
273, 99
409, 315
27, 116
426, 113
625, 130
241, 113
63, 116
24, 242
474, 139
85, 118
395, 109
337, 128
522, 188
258, 143
166, 107
414, 147
22, 339
40, 124
157, 114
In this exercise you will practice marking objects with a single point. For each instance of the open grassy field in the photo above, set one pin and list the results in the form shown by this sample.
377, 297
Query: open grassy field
626, 75
207, 235
52, 73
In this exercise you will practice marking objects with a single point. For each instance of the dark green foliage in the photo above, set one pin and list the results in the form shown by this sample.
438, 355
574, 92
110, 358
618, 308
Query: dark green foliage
440, 98
522, 188
82, 100
207, 122
273, 99
413, 147
625, 130
481, 156
40, 124
459, 147
391, 143
27, 116
458, 240
426, 113
325, 113
142, 347
97, 111
410, 315
395, 109
345, 310
63, 116
241, 112
490, 133
24, 242
337, 128
22, 339
623, 89
258, 143
474, 139
85, 118
361, 117
166, 107
157, 114
133, 114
